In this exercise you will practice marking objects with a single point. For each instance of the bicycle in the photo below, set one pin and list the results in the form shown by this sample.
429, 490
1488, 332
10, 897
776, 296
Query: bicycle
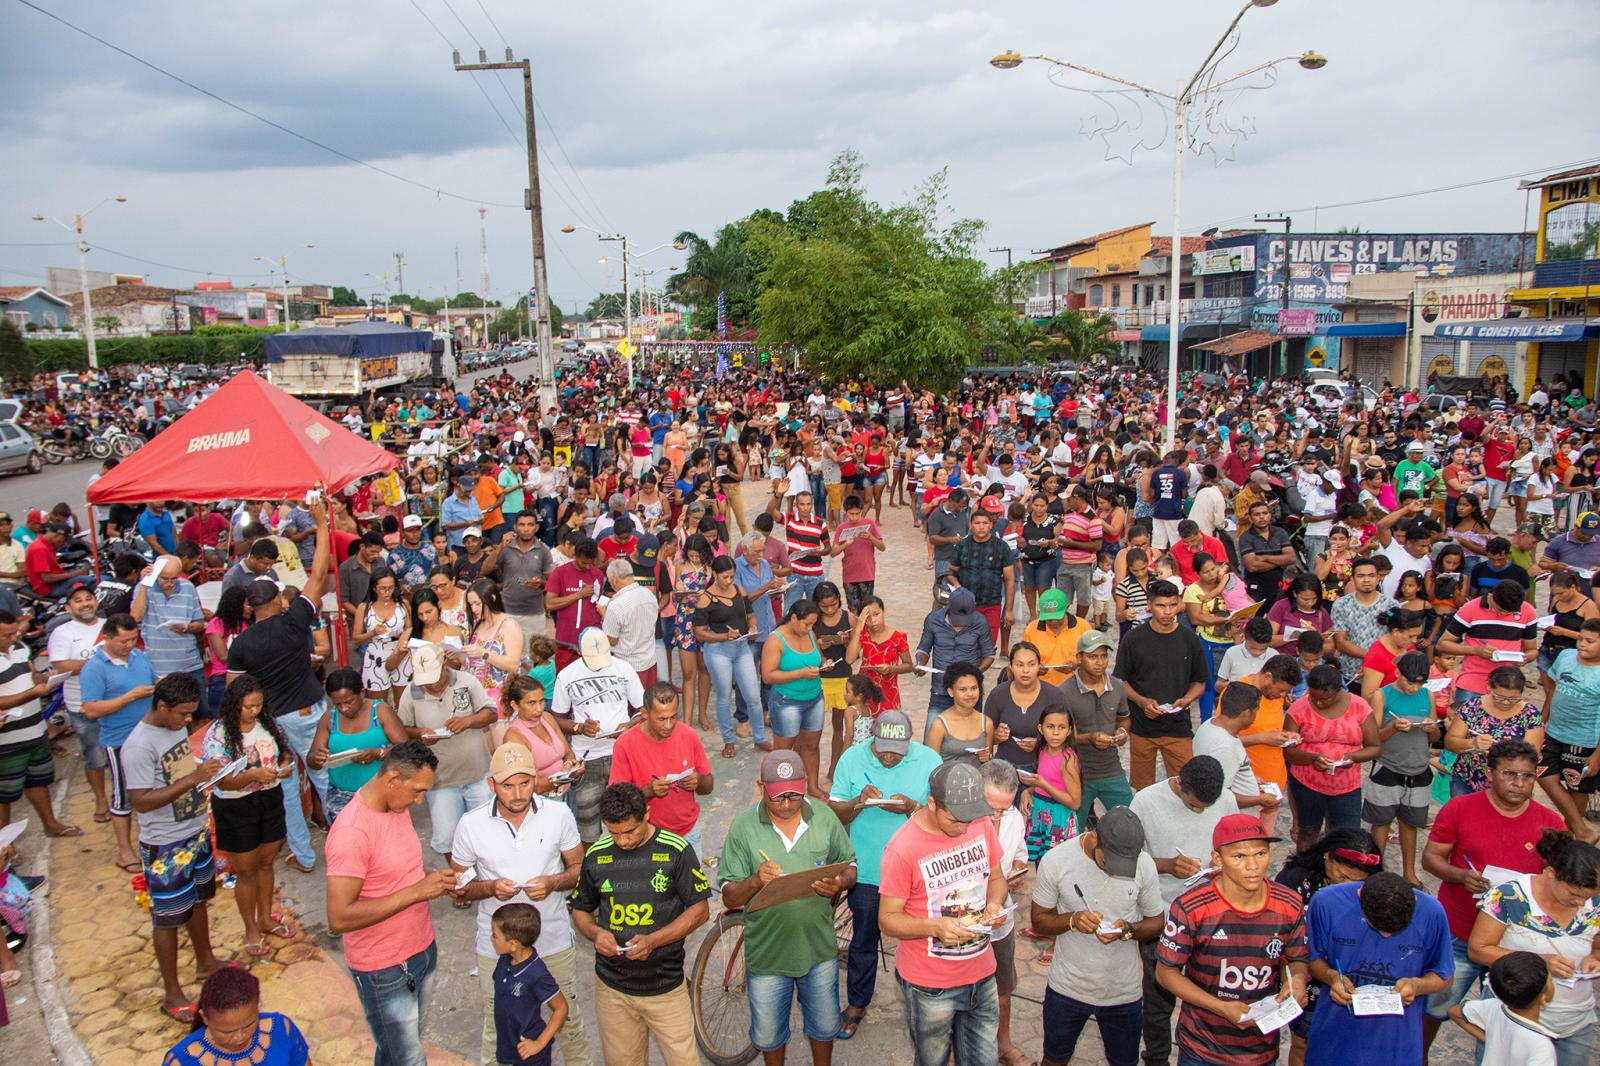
717, 983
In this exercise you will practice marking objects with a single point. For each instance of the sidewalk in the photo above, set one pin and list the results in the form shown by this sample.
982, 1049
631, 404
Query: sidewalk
105, 964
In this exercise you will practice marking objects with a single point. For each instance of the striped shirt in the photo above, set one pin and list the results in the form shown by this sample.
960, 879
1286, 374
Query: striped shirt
23, 725
170, 652
1477, 624
1232, 956
1080, 525
805, 536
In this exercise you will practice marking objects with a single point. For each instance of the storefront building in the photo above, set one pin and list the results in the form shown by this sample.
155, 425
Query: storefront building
1564, 295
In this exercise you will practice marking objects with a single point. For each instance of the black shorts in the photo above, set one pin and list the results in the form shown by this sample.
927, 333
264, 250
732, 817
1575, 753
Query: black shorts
246, 823
1566, 761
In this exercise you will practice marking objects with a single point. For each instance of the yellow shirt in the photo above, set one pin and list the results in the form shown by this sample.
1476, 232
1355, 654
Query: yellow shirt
1056, 649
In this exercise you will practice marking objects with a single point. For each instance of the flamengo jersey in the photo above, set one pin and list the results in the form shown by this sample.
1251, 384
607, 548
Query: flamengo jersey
806, 537
1233, 956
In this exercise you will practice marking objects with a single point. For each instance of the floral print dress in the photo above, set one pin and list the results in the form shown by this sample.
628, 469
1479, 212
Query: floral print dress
1472, 767
690, 584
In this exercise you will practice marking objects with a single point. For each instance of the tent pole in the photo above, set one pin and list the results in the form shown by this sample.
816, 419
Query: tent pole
94, 538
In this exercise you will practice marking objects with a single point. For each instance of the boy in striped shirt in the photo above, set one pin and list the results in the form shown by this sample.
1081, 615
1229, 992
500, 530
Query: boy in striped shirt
1227, 944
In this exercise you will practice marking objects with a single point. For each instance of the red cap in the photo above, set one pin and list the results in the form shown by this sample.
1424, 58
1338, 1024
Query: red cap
991, 504
36, 515
1237, 827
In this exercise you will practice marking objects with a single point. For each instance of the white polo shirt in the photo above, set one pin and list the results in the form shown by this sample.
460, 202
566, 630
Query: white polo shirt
489, 844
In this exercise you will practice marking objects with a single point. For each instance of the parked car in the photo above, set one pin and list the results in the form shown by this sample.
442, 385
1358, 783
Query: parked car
19, 452
1333, 395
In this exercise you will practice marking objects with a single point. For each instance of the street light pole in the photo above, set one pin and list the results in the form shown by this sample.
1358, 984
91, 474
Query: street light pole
83, 273
1191, 91
534, 204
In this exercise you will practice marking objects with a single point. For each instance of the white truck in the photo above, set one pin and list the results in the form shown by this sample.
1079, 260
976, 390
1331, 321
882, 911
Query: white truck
350, 361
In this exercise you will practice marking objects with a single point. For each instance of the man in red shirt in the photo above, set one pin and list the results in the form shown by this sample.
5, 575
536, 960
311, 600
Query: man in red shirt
665, 759
1192, 542
941, 888
1498, 447
44, 571
209, 529
1479, 842
571, 596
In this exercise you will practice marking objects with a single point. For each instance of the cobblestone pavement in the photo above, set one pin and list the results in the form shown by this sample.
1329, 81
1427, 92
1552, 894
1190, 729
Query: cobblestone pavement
107, 982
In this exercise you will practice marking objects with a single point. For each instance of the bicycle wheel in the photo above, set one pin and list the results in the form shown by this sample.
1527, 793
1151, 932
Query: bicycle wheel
720, 1001
125, 445
843, 925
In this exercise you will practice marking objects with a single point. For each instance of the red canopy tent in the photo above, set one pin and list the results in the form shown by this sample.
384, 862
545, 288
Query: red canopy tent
247, 440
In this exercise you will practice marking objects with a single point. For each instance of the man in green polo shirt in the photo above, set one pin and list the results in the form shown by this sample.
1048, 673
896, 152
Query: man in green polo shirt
789, 948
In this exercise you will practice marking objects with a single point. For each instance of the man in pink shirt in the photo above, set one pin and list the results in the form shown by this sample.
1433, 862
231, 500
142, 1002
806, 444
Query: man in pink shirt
941, 889
378, 897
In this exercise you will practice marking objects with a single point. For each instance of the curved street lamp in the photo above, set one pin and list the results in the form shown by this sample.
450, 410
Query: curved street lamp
83, 273
627, 288
1196, 88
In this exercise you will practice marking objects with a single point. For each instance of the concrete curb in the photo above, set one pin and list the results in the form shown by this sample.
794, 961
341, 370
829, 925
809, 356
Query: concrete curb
64, 1041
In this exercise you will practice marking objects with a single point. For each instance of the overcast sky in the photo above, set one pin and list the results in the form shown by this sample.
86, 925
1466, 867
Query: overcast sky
692, 113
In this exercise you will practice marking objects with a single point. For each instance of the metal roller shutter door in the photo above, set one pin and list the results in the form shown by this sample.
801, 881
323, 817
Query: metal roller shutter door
1435, 348
1558, 358
1369, 358
1496, 358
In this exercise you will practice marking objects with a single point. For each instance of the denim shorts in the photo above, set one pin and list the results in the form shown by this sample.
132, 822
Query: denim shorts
1041, 574
869, 480
789, 716
771, 997
88, 732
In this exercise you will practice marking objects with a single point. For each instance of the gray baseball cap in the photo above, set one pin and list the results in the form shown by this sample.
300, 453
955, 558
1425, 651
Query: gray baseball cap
958, 788
891, 733
1121, 836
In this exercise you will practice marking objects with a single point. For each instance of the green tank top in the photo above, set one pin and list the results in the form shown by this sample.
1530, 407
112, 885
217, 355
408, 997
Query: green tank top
803, 689
352, 776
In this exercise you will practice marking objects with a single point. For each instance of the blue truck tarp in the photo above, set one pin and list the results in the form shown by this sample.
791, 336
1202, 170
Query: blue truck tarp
359, 341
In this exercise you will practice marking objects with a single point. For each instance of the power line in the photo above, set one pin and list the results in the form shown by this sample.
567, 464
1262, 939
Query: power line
436, 190
37, 244
1427, 192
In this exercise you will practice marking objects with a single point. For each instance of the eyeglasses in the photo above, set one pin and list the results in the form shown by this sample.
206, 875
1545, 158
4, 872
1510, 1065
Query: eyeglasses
1507, 701
788, 797
1518, 775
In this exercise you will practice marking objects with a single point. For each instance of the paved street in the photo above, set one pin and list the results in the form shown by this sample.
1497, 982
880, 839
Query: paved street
95, 992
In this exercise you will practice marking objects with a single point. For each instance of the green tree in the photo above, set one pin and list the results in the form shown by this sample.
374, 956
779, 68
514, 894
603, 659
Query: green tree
16, 361
886, 293
604, 305
1080, 337
513, 321
343, 297
717, 266
471, 299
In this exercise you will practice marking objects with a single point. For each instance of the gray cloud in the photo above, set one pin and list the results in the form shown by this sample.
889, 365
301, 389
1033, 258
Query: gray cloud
692, 114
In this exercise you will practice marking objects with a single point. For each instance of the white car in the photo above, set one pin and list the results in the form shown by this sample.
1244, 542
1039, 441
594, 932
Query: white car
1334, 395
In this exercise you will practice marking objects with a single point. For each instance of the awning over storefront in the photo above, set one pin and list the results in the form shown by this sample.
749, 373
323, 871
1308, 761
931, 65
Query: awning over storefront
1238, 343
1362, 329
1125, 335
1520, 329
1161, 332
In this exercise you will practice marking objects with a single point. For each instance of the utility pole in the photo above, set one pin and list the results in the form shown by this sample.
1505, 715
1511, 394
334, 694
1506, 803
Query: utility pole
996, 251
535, 207
400, 270
1288, 270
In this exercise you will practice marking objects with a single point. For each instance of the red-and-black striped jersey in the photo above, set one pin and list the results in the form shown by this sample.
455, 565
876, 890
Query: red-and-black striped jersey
1232, 955
805, 536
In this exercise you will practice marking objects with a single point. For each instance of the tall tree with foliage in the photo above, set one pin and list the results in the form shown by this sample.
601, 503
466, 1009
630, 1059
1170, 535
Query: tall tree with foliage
346, 297
883, 293
1080, 337
16, 362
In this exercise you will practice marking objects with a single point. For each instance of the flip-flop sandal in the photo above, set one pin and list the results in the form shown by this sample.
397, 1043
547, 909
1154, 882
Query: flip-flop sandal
289, 929
184, 1014
1016, 1057
102, 817
257, 951
852, 1022
729, 751
130, 867
66, 831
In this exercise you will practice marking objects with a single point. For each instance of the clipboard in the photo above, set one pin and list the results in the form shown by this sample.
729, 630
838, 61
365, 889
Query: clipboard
1247, 611
793, 886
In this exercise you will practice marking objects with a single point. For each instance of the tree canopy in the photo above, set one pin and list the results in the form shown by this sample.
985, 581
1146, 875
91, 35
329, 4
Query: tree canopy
887, 293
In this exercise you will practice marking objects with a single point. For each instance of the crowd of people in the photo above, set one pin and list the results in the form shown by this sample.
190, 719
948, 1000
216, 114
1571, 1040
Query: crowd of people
1290, 625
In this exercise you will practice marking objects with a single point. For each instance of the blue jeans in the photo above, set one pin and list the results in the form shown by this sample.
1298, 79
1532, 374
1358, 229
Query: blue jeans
547, 508
964, 1020
393, 1000
730, 663
862, 968
771, 997
1041, 574
693, 837
1468, 974
300, 730
804, 586
446, 806
790, 716
1065, 1018
1208, 698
